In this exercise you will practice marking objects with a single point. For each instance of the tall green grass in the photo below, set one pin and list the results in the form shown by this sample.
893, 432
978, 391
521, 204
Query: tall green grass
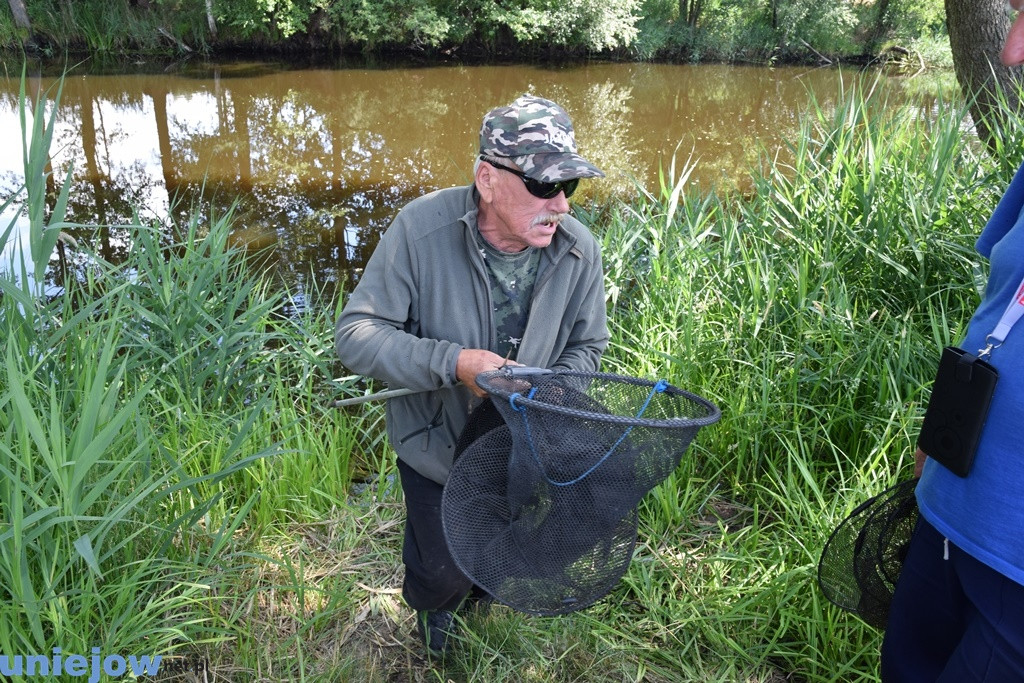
812, 310
132, 402
107, 28
173, 478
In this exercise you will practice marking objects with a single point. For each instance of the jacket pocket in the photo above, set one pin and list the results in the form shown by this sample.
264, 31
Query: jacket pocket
435, 422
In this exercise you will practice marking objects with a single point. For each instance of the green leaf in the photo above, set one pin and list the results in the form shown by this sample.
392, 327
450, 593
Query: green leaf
83, 544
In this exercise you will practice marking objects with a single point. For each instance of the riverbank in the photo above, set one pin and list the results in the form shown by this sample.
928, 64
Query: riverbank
179, 484
475, 31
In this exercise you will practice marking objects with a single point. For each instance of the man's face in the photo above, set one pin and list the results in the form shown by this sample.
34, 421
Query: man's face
1013, 48
520, 219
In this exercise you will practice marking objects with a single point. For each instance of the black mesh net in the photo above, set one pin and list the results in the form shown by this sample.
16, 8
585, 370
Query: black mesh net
863, 557
540, 505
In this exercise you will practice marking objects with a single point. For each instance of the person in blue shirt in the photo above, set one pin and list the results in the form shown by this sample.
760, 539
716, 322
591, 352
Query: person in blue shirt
957, 614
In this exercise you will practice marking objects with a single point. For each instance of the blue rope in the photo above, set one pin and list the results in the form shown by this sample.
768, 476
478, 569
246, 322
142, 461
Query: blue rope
658, 388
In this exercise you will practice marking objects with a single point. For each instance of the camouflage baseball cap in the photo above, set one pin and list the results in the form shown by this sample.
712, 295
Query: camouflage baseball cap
537, 135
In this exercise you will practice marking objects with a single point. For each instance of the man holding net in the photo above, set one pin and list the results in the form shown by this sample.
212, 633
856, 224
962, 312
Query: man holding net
463, 281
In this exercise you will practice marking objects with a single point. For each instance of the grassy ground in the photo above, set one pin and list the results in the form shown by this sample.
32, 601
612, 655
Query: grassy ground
176, 482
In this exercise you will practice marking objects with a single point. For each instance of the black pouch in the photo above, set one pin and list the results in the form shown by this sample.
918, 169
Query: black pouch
956, 413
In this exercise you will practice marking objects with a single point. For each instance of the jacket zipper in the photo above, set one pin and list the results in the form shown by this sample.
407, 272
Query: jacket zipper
481, 272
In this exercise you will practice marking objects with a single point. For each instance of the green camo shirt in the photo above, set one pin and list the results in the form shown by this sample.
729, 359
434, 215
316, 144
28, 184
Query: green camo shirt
512, 277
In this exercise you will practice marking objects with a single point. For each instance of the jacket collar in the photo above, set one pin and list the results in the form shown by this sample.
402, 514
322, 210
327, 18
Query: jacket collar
561, 243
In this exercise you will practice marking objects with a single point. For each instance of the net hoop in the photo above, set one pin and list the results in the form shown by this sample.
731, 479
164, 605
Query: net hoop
491, 383
540, 506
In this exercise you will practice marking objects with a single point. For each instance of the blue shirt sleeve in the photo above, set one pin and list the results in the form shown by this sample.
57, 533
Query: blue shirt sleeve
1005, 216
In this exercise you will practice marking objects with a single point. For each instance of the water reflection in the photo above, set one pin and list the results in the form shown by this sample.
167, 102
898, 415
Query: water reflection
318, 160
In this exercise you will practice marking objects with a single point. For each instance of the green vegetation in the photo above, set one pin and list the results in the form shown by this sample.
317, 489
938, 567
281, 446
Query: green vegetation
686, 30
175, 482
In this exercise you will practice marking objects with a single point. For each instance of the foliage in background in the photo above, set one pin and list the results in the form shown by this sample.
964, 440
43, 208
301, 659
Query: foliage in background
709, 30
727, 30
910, 19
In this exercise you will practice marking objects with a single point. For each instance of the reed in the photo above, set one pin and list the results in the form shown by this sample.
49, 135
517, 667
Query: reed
812, 311
103, 29
113, 479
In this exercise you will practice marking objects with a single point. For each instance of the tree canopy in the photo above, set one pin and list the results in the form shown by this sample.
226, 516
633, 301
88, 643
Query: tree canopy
693, 30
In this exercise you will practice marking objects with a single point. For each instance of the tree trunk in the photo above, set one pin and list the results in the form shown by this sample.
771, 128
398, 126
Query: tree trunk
690, 11
20, 13
977, 29
210, 20
881, 27
21, 20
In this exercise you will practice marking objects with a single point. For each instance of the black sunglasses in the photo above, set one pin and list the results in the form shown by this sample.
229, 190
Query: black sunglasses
539, 188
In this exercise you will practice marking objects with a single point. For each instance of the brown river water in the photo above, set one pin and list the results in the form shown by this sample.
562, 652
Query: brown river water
319, 159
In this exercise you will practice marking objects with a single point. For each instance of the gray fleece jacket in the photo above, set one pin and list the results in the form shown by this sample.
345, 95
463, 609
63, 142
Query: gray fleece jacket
424, 296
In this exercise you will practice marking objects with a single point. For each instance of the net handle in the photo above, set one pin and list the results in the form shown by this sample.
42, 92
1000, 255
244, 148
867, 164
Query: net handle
659, 386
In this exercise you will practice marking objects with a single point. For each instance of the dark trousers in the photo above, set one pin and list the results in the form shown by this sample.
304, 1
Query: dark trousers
953, 619
432, 579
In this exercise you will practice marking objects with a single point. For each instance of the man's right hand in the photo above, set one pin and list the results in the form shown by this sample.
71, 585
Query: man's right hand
471, 362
